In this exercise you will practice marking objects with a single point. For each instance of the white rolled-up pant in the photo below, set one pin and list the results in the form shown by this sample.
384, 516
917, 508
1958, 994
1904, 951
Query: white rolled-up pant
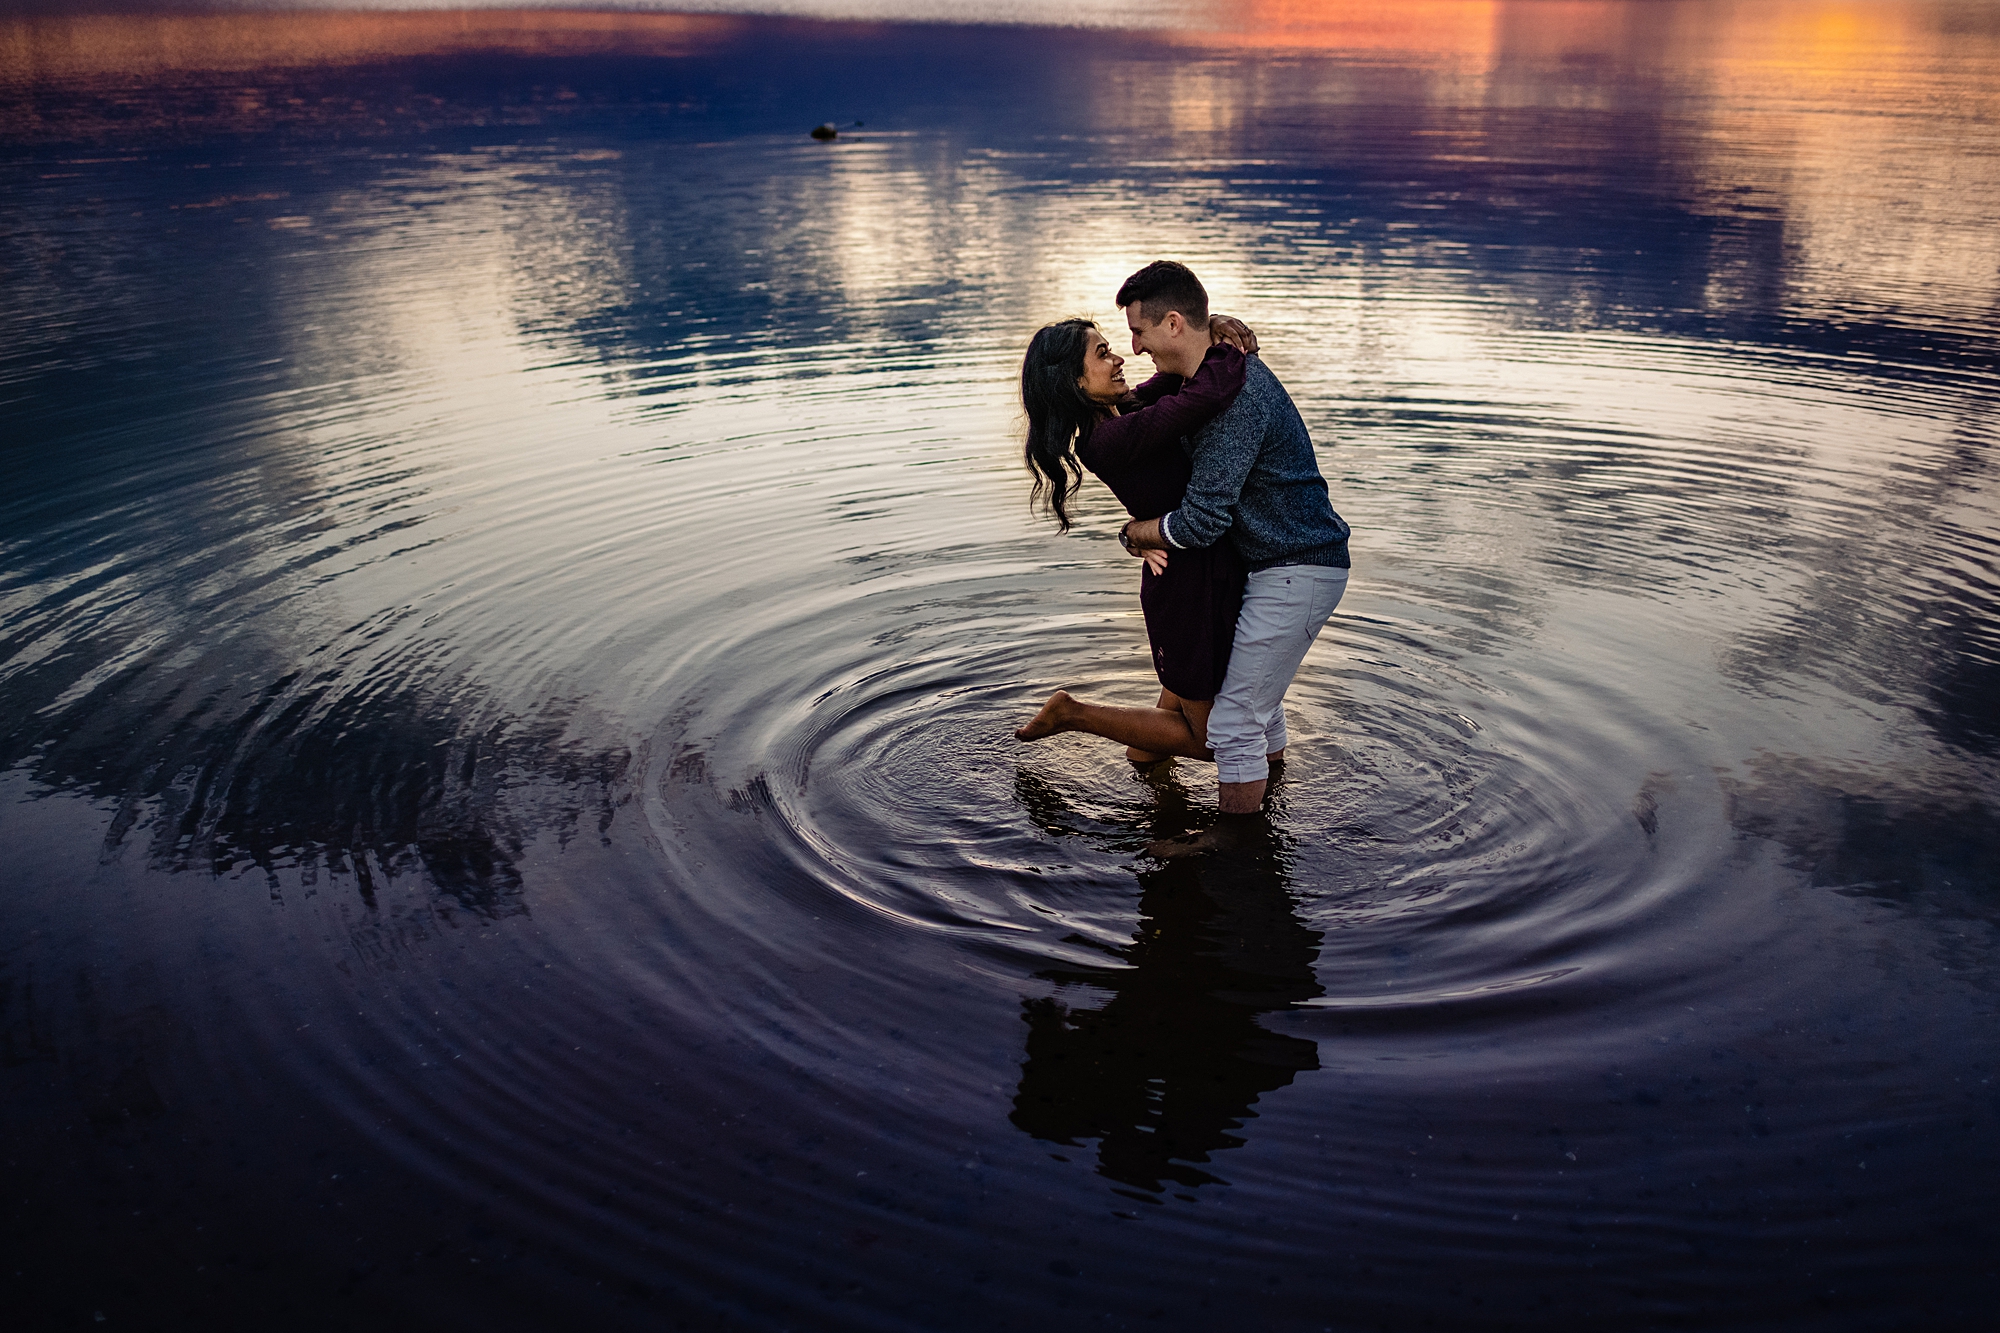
1283, 611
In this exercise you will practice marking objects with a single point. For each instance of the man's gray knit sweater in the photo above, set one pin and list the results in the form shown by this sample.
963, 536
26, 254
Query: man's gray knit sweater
1256, 478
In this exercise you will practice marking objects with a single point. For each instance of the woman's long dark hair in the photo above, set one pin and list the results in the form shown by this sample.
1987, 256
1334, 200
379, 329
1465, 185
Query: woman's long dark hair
1059, 412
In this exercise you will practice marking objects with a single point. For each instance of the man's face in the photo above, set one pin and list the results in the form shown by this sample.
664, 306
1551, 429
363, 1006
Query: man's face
1147, 339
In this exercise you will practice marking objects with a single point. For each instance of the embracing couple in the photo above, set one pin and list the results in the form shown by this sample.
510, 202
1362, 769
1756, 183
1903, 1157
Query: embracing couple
1244, 557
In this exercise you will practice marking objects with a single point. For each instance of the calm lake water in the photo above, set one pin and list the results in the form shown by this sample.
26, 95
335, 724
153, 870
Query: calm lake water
516, 585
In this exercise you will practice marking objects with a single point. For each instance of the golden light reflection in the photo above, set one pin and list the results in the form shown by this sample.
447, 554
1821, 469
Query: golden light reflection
1454, 28
1890, 185
60, 49
1853, 121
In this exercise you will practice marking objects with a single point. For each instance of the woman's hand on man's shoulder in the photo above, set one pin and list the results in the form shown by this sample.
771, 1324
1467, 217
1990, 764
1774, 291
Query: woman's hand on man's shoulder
1231, 330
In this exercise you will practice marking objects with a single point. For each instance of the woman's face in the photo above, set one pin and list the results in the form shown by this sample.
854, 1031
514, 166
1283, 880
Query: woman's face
1103, 378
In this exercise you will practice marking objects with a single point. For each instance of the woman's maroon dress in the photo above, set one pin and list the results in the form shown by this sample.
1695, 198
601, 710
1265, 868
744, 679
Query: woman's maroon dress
1142, 456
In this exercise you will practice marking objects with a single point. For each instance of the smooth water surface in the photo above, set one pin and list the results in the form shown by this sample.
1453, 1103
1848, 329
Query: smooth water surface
518, 585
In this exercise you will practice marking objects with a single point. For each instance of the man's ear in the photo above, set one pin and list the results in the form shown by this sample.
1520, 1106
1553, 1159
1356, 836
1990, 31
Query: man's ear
1175, 323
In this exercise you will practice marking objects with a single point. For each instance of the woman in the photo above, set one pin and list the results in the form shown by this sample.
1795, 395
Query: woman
1081, 415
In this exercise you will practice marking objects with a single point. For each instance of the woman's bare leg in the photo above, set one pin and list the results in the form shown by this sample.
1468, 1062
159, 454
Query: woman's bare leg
1182, 730
1195, 711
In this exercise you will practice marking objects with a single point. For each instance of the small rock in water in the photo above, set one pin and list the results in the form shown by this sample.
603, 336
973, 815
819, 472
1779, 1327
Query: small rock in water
826, 131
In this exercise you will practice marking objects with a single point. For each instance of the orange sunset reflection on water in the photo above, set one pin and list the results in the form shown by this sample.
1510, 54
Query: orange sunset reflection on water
62, 49
1802, 42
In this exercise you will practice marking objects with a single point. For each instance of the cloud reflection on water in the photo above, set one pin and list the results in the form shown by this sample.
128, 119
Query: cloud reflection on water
1525, 198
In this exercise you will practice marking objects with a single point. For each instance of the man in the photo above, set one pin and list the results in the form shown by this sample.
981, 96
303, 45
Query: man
1257, 482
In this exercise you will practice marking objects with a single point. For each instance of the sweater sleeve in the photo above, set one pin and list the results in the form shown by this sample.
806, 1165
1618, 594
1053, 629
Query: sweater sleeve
1129, 439
1154, 389
1222, 463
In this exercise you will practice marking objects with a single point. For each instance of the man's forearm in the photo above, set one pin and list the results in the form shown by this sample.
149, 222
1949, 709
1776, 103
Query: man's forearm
1143, 534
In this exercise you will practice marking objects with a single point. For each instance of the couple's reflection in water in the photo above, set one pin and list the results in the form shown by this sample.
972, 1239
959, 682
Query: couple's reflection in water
1165, 1073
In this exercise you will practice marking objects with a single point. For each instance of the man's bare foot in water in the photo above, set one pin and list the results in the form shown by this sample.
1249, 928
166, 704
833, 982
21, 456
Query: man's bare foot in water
1223, 836
1187, 844
1053, 718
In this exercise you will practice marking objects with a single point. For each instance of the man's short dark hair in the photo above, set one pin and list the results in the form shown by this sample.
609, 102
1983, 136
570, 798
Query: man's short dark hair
1165, 285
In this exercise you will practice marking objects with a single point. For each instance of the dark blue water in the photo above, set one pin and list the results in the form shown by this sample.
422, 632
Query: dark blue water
516, 586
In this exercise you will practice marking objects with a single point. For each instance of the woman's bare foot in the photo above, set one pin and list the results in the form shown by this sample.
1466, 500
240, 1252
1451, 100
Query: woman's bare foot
1053, 718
